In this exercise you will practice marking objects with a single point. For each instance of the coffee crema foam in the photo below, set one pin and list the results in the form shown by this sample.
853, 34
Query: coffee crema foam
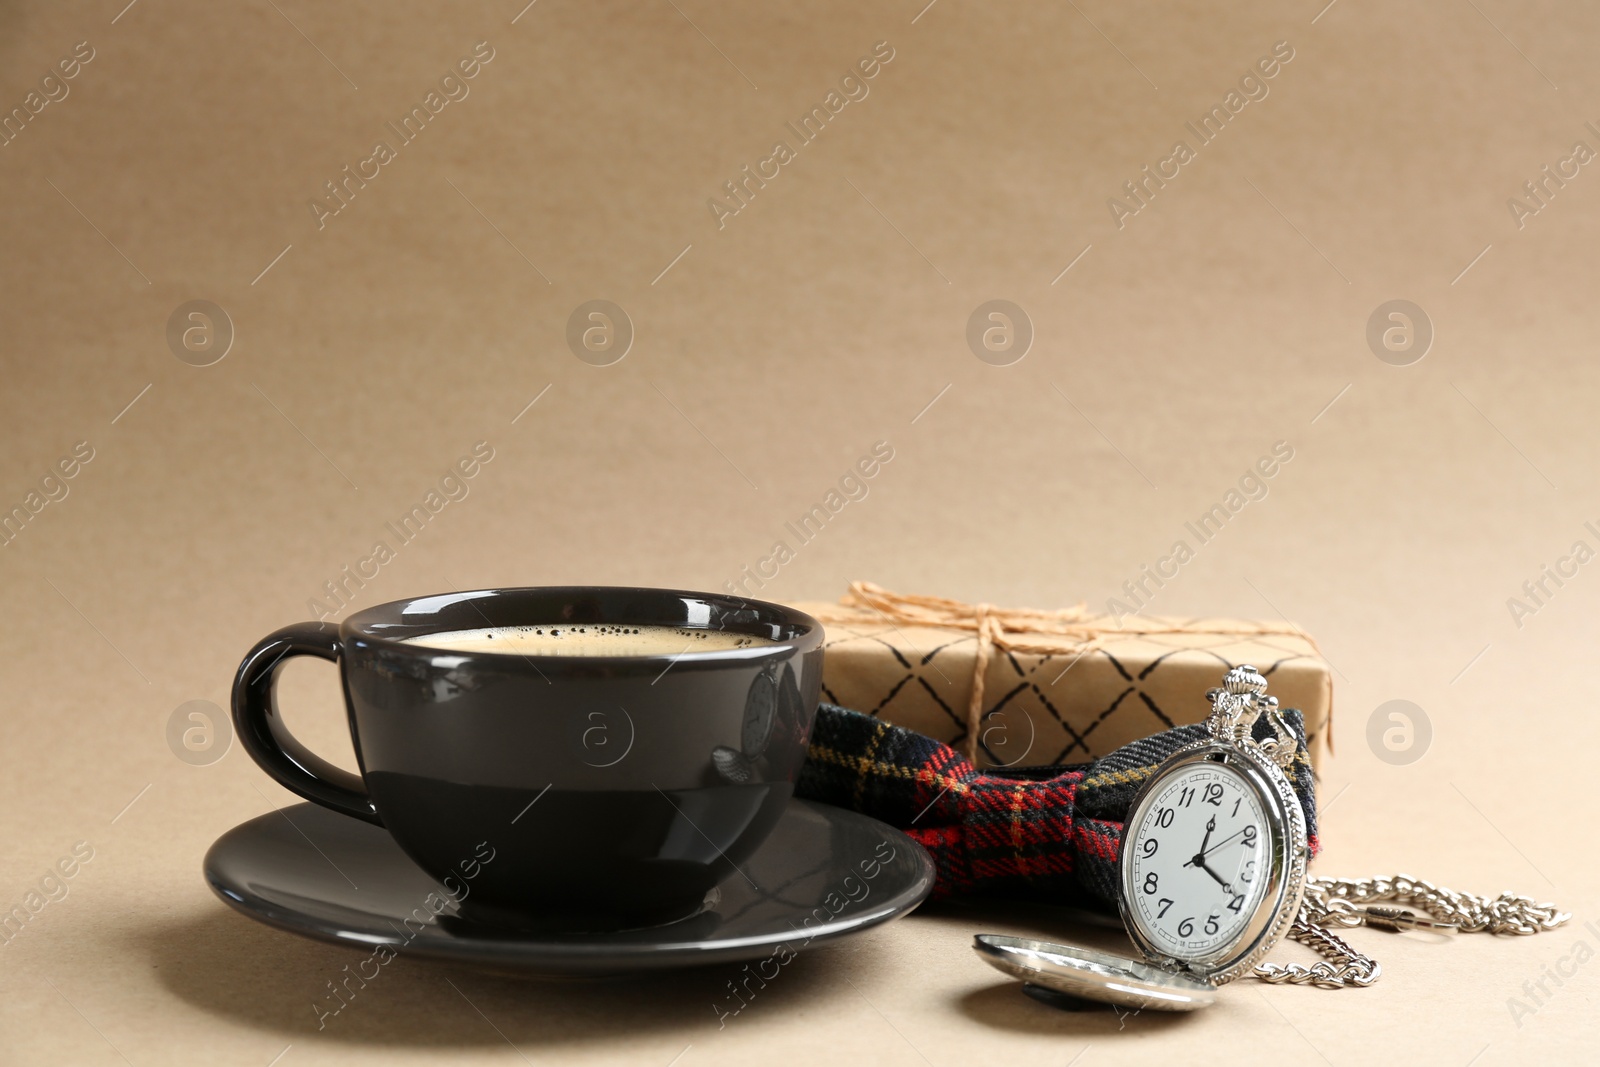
589, 639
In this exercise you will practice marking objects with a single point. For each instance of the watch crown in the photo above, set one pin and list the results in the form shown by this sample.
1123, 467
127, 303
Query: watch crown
1244, 680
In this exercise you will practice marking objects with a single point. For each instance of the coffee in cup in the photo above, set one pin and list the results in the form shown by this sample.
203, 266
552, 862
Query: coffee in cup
589, 640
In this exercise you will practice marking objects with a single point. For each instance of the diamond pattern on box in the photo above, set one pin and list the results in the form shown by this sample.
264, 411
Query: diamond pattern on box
1061, 707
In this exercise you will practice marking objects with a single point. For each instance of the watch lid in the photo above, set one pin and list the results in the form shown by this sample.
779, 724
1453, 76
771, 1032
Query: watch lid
1101, 976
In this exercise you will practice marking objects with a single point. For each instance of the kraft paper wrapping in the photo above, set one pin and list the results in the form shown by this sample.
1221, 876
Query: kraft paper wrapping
1055, 697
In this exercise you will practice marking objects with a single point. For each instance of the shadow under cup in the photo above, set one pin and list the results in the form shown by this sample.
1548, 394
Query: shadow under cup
556, 792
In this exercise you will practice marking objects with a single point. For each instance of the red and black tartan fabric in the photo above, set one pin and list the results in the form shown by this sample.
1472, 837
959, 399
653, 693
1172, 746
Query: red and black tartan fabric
1048, 833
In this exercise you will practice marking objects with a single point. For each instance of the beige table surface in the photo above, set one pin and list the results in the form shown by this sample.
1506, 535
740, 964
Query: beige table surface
830, 313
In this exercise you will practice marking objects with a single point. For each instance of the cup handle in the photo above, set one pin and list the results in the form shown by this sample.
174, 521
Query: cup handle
269, 742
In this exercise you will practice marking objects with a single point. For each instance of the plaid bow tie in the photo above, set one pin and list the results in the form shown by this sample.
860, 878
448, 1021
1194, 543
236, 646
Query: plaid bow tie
1048, 833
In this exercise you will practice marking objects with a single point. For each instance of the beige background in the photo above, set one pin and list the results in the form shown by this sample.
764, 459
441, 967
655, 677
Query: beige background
1227, 315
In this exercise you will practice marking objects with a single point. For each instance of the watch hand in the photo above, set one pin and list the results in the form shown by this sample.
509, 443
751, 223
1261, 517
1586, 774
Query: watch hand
1207, 868
1224, 841
1198, 857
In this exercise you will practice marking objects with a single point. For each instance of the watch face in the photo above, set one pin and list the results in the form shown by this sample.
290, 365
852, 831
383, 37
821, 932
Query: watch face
1197, 860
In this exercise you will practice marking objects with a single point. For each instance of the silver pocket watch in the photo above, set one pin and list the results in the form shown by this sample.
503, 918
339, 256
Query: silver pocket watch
1212, 875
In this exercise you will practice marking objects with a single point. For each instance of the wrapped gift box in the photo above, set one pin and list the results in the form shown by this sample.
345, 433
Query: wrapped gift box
1057, 687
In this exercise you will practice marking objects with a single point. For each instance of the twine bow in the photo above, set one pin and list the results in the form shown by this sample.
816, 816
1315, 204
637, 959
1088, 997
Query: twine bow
1073, 629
